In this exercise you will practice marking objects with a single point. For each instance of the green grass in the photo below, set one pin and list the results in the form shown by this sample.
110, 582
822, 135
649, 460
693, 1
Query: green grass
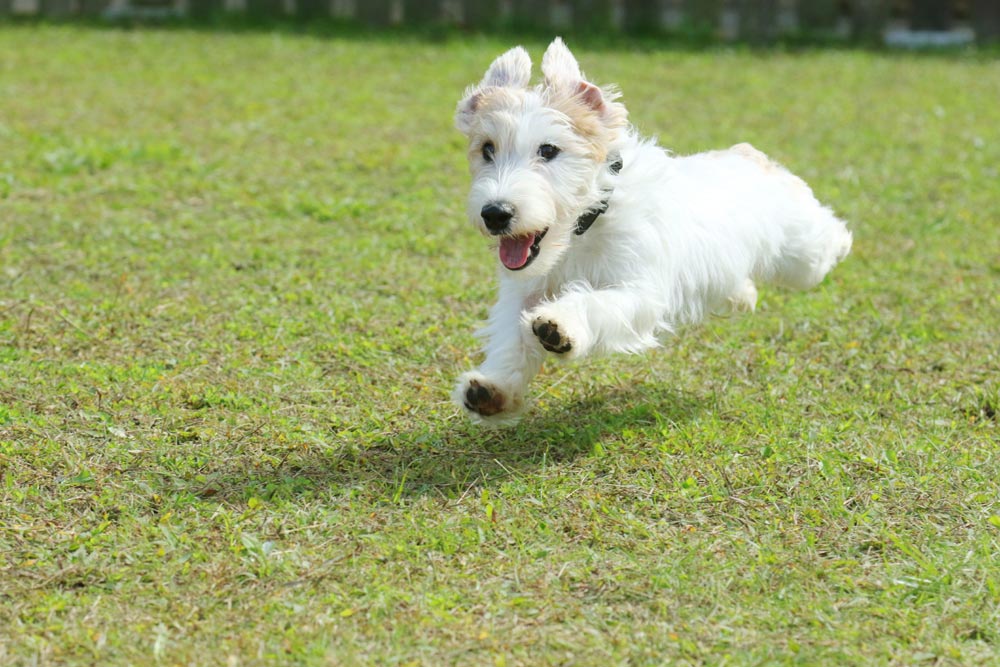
236, 286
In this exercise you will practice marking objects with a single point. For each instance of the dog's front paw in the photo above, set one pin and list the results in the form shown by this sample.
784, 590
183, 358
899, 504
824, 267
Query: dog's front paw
559, 330
548, 333
486, 402
483, 399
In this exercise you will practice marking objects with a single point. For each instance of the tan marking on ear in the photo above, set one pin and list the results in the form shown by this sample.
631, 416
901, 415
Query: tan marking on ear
597, 126
591, 95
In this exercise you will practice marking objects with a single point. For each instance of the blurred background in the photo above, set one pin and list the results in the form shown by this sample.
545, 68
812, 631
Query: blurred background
919, 23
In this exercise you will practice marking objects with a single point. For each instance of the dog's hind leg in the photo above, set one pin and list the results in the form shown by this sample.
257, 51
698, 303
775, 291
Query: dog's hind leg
813, 246
814, 239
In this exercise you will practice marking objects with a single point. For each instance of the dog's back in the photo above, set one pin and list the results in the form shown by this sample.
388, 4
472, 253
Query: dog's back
705, 228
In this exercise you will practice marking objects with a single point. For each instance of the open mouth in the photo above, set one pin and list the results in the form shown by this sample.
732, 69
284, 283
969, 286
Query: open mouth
517, 252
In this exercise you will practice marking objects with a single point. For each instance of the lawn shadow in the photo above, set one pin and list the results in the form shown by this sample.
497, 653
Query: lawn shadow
454, 457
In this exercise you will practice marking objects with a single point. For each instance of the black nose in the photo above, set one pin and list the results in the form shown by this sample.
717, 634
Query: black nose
497, 216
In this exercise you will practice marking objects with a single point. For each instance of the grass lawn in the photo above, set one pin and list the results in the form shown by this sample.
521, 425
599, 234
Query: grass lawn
236, 286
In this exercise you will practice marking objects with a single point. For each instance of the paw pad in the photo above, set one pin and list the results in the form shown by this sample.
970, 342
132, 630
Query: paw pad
550, 337
483, 399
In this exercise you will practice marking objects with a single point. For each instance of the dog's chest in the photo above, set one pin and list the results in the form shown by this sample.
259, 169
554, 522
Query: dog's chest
587, 262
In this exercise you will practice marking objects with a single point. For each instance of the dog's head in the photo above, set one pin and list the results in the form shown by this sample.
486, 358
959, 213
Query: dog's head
538, 156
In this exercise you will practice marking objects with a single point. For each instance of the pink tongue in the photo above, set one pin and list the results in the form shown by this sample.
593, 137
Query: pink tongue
514, 250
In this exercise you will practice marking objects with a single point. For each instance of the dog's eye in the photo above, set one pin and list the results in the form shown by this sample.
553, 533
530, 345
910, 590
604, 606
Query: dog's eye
547, 152
488, 150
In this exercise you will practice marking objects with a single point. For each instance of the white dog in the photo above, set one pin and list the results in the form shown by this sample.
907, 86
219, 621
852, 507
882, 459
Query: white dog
605, 240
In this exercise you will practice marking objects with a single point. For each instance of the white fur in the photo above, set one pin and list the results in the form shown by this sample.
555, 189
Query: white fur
683, 237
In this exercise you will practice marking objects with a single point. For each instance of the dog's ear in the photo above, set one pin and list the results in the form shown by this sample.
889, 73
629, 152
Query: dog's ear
562, 73
510, 70
559, 67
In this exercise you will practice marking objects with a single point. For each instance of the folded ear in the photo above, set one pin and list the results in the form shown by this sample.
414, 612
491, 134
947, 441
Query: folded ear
562, 72
510, 70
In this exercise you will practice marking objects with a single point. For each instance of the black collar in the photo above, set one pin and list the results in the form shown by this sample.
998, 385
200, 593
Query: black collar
584, 222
